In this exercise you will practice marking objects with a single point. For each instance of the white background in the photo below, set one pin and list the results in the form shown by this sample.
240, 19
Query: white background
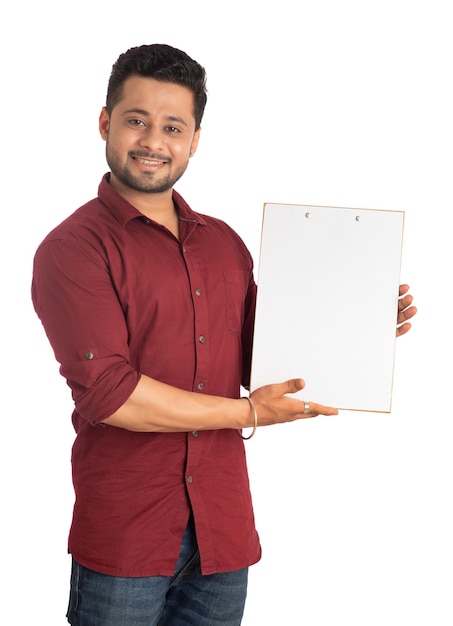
319, 102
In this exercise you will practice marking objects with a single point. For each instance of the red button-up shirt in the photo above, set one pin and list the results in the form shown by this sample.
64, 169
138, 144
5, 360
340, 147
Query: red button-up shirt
120, 296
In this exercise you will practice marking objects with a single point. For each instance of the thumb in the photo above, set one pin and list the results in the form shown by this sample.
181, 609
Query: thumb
294, 384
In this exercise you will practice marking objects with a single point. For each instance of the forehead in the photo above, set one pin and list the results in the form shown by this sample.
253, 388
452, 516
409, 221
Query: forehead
156, 97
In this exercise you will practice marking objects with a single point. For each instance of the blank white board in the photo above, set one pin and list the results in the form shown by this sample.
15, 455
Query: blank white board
327, 303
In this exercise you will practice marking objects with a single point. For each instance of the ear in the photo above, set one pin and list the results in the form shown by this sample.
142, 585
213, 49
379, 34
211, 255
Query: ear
104, 122
195, 140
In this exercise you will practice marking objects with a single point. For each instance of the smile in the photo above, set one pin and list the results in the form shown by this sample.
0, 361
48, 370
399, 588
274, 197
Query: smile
149, 162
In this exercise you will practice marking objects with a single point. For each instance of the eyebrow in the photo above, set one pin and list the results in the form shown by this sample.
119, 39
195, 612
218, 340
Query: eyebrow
170, 118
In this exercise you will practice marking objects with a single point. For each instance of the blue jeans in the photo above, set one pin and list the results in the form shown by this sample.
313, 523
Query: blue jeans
186, 599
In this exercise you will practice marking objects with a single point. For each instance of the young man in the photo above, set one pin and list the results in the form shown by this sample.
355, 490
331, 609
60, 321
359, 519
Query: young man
149, 308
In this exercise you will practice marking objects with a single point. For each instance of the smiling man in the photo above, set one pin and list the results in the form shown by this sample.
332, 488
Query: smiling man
149, 307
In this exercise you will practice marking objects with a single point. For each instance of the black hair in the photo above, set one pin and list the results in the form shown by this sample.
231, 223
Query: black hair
164, 63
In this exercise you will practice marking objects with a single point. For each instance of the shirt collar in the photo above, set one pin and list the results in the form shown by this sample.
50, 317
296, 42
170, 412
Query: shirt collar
125, 212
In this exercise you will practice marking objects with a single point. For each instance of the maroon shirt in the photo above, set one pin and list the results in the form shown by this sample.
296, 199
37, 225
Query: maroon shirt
120, 296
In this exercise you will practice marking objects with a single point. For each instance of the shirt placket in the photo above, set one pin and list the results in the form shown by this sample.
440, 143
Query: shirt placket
192, 260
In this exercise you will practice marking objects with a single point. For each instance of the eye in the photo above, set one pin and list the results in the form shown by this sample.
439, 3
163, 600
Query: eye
136, 122
172, 130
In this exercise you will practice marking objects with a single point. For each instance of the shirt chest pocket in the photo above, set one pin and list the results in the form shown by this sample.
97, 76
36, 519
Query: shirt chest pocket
236, 282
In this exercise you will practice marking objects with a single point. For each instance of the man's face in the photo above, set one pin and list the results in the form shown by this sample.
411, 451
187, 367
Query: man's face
150, 135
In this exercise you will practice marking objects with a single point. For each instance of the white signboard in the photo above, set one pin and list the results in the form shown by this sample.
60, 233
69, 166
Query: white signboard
327, 303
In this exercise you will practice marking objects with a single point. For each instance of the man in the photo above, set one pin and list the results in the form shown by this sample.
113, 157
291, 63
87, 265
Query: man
149, 308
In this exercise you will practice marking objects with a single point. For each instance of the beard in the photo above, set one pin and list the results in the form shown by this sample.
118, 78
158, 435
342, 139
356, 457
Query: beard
146, 182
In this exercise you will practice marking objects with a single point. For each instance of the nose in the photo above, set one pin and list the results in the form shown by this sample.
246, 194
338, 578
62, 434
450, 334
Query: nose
152, 139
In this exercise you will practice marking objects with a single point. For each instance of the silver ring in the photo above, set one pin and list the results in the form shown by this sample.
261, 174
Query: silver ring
306, 408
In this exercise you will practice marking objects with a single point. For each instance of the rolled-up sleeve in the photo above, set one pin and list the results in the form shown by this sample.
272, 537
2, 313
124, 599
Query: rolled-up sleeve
75, 298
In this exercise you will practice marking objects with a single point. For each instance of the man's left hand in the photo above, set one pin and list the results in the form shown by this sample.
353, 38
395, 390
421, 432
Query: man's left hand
405, 311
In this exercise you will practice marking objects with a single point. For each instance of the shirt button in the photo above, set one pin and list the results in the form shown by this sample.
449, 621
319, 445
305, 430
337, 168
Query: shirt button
195, 433
200, 385
201, 339
189, 479
89, 355
198, 292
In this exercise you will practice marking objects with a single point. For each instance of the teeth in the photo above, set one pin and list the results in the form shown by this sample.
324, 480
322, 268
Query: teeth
148, 162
